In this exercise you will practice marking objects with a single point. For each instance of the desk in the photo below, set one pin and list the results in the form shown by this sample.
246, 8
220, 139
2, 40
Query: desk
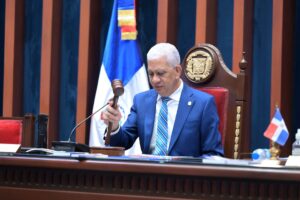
48, 178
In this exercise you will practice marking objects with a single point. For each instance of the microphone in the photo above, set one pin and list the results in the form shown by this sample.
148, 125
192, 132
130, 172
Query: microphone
118, 90
70, 146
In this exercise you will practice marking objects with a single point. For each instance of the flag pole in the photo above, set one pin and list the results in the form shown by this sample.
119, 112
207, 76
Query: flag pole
274, 149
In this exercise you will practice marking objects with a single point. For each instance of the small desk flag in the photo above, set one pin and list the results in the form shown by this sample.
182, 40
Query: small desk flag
277, 130
121, 60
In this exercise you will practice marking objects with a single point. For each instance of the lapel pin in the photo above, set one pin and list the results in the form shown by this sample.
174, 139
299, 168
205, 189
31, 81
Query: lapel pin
189, 103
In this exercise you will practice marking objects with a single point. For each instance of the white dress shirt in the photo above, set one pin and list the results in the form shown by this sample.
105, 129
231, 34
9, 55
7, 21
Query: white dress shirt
172, 111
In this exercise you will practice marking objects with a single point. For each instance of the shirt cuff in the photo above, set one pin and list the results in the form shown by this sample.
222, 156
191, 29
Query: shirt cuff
112, 133
116, 131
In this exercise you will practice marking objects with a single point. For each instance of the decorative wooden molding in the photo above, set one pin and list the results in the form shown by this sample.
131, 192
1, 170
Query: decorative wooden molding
237, 132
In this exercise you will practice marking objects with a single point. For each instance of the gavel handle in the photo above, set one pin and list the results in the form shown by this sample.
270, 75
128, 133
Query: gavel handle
109, 127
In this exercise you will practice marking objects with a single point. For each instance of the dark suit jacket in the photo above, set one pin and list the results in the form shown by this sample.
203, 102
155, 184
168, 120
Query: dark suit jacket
195, 131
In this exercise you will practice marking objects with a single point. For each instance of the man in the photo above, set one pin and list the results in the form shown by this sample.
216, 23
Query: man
172, 118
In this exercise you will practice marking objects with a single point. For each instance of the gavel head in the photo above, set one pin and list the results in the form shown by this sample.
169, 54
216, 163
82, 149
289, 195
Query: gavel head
117, 87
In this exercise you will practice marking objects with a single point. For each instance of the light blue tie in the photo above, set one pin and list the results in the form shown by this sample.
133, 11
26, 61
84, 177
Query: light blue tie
162, 129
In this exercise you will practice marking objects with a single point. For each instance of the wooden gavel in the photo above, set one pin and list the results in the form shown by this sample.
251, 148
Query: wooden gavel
118, 90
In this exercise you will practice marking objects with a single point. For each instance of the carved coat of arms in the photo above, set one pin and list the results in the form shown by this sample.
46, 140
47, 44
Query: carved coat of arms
199, 66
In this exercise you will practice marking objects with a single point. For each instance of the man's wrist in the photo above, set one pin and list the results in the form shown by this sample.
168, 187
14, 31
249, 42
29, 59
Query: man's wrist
115, 131
112, 133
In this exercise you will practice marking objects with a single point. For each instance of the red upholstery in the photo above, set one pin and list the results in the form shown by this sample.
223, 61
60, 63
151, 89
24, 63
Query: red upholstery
11, 131
221, 97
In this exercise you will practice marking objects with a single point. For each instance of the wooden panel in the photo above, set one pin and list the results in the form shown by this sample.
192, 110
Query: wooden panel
28, 130
288, 59
242, 33
206, 21
238, 33
88, 63
13, 58
167, 18
277, 30
50, 63
14, 194
282, 62
30, 178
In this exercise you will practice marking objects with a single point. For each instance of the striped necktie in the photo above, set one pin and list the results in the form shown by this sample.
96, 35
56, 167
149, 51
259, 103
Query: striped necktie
162, 129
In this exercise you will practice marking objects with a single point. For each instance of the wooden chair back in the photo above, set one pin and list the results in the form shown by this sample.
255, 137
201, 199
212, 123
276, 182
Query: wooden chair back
204, 69
17, 130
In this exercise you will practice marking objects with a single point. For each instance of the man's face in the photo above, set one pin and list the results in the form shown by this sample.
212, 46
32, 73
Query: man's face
164, 78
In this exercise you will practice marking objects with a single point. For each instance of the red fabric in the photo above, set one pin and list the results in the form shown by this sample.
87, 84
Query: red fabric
10, 131
221, 97
128, 29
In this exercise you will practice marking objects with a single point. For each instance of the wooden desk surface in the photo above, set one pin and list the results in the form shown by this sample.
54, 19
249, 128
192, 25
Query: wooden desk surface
49, 178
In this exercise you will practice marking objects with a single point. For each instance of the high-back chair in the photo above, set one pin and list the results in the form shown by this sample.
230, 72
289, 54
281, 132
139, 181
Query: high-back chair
17, 130
205, 70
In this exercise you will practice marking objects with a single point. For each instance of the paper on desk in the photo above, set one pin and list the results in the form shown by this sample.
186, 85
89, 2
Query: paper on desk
293, 161
225, 161
86, 156
268, 163
9, 148
150, 156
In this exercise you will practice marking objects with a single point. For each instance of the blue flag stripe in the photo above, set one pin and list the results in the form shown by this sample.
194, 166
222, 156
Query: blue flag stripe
126, 4
283, 136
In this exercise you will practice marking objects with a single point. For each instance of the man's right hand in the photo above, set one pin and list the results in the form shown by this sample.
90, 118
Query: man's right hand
111, 115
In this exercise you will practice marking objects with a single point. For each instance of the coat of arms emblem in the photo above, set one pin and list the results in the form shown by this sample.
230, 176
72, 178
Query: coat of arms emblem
199, 66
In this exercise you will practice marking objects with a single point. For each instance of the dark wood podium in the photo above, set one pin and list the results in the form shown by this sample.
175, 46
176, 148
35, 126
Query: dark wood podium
68, 179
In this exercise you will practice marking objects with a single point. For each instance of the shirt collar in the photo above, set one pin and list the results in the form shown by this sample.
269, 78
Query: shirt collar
176, 94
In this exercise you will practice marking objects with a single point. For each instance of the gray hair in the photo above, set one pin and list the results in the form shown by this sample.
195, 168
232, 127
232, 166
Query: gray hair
165, 50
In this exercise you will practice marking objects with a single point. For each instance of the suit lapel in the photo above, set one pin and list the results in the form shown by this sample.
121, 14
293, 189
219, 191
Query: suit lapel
186, 103
150, 104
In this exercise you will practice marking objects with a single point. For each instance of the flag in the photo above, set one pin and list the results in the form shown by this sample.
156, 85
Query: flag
277, 130
121, 60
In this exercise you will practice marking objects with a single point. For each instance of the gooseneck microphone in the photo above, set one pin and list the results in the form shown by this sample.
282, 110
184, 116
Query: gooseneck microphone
70, 146
84, 120
118, 90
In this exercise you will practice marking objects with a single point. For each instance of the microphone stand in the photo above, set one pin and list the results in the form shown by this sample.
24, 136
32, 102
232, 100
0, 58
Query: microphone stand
70, 146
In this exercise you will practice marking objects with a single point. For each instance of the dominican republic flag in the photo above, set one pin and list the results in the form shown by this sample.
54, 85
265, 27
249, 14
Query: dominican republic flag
277, 130
121, 60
